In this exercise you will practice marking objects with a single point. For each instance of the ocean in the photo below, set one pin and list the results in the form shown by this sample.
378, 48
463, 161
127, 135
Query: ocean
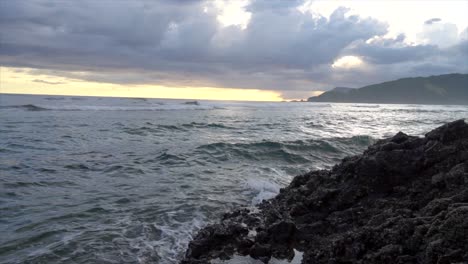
121, 180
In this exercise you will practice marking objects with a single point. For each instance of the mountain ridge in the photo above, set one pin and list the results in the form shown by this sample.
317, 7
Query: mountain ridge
437, 89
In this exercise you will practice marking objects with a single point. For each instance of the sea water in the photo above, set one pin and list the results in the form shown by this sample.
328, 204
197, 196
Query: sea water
118, 180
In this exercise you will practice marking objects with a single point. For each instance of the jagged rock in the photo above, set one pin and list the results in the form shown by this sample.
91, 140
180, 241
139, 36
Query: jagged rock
404, 200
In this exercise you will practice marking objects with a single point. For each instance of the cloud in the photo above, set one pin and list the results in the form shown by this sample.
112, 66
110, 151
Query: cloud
441, 34
183, 43
273, 5
347, 62
392, 51
432, 20
47, 82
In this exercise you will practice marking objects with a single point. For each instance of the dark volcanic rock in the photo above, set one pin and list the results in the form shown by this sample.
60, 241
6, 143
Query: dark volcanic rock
404, 200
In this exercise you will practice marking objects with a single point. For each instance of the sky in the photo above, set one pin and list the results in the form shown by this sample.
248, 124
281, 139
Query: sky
263, 50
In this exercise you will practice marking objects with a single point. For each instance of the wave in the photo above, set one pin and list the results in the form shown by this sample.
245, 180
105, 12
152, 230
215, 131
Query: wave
47, 184
205, 125
264, 190
158, 107
24, 242
293, 152
419, 110
27, 107
140, 131
77, 166
140, 99
130, 170
150, 128
161, 241
322, 144
54, 98
319, 105
366, 106
170, 159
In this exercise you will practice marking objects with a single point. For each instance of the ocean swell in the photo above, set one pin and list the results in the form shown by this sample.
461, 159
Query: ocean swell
293, 152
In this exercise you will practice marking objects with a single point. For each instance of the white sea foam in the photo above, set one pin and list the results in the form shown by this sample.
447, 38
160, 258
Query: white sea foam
264, 189
236, 259
162, 243
252, 233
174, 241
366, 106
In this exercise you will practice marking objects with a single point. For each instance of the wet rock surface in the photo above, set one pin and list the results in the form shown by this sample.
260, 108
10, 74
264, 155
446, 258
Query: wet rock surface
404, 200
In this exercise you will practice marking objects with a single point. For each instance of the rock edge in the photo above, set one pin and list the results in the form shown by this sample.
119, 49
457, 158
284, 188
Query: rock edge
404, 200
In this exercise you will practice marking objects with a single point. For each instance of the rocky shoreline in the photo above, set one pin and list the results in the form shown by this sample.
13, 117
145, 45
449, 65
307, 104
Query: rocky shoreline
404, 200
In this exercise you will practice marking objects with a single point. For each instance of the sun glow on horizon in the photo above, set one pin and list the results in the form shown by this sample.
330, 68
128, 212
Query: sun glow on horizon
19, 81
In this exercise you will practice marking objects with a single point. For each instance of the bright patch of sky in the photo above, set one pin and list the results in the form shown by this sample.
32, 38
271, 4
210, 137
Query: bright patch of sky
347, 62
448, 18
407, 17
232, 13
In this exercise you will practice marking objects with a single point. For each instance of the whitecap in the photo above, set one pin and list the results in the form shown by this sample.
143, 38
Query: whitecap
264, 189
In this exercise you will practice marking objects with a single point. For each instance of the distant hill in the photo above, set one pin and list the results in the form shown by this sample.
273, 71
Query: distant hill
441, 89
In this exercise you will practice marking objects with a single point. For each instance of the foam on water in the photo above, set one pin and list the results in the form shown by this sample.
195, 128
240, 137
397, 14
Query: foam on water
263, 190
174, 241
237, 259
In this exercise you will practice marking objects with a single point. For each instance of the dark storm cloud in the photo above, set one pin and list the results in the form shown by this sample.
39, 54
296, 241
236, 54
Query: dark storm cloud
181, 43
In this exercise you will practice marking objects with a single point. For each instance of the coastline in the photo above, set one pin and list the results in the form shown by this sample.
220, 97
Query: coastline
404, 200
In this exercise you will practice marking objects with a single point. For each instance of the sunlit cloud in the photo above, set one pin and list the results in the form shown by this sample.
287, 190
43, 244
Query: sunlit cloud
233, 13
407, 17
347, 62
